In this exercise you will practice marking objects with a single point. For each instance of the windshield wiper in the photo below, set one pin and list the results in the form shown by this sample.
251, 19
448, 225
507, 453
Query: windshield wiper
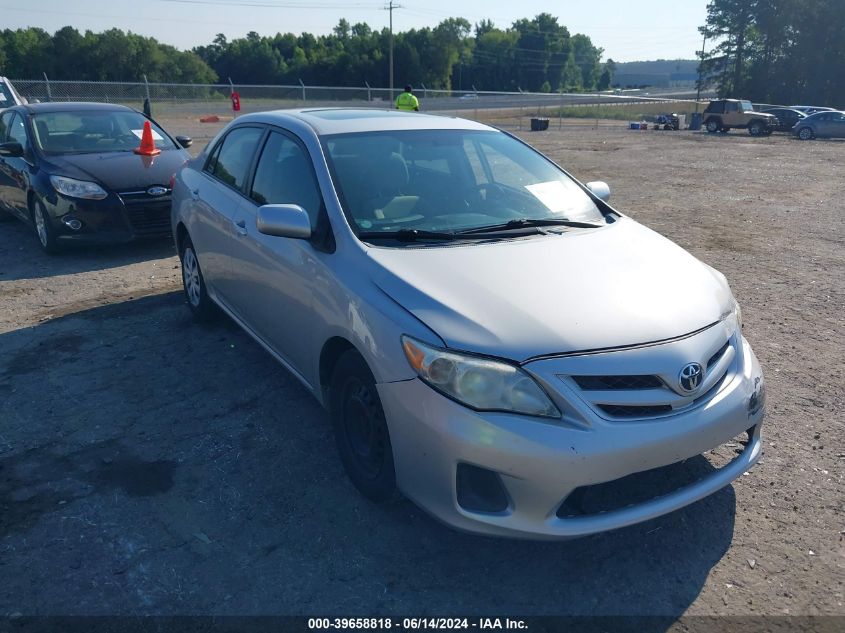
521, 223
406, 235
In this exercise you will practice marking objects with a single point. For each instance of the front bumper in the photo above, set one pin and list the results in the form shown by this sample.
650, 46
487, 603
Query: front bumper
539, 463
114, 219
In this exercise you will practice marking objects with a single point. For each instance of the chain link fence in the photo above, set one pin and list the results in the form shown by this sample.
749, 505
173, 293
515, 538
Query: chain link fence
506, 109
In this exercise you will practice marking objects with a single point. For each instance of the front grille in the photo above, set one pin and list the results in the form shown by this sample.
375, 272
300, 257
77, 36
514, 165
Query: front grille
635, 411
610, 383
147, 215
715, 357
655, 392
651, 484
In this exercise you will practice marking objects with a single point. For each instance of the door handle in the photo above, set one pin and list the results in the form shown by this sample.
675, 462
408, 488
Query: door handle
241, 226
195, 194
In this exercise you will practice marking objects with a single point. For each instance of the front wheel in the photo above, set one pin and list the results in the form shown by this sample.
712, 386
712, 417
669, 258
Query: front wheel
360, 428
193, 283
805, 134
755, 128
44, 229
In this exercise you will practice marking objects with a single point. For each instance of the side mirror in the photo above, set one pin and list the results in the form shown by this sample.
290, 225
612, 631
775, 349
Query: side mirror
11, 149
600, 190
284, 220
185, 141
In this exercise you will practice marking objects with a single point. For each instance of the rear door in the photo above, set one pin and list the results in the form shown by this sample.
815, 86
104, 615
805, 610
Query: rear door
837, 125
217, 190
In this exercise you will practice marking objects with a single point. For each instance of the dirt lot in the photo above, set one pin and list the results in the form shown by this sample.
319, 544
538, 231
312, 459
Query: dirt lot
151, 465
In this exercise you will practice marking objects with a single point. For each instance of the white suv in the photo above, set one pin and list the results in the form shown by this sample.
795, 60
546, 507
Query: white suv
8, 95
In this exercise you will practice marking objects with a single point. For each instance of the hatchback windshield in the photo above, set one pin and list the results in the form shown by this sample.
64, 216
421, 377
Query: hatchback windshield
87, 131
449, 180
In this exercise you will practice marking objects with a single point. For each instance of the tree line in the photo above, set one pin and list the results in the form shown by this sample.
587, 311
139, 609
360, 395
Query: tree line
537, 55
777, 51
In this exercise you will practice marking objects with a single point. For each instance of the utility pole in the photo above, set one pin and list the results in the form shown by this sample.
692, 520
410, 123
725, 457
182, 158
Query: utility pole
390, 6
700, 64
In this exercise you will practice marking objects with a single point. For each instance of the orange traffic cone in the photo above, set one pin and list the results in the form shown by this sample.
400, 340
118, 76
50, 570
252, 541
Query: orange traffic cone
148, 146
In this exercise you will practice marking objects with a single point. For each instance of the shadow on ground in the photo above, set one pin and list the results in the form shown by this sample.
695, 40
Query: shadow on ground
152, 465
24, 259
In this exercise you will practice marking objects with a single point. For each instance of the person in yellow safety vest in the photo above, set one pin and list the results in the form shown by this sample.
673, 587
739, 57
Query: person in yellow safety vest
407, 101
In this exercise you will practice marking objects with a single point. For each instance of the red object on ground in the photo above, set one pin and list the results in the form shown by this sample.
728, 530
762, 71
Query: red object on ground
211, 118
148, 145
236, 101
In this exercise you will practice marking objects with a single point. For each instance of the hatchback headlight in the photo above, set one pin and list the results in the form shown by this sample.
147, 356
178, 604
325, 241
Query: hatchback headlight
479, 383
78, 188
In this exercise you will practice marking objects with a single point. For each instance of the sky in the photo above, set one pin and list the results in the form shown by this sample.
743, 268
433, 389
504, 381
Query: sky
626, 30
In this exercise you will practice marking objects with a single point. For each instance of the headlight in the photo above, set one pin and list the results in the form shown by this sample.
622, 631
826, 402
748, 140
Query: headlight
479, 383
78, 188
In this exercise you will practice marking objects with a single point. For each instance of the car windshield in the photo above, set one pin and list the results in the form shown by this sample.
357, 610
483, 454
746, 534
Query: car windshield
91, 131
448, 180
746, 106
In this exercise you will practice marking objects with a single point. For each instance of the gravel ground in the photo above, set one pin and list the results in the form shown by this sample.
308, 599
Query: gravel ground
149, 465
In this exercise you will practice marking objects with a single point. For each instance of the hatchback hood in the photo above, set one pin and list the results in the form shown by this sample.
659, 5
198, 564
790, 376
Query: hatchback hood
120, 171
583, 290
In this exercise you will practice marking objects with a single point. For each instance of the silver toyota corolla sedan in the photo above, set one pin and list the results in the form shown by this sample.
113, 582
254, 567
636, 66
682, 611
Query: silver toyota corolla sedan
490, 336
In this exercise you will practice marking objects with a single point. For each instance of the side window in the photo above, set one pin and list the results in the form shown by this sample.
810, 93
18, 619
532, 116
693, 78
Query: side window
4, 125
17, 133
233, 158
285, 176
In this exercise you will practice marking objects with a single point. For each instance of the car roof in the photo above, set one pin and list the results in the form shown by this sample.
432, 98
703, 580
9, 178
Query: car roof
329, 121
75, 106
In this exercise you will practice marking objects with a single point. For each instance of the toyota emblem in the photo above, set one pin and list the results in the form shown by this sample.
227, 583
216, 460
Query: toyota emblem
690, 377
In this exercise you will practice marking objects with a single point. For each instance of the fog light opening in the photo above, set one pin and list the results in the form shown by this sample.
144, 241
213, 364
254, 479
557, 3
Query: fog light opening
72, 223
480, 490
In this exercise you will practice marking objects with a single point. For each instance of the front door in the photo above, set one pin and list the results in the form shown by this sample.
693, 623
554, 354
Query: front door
273, 277
14, 171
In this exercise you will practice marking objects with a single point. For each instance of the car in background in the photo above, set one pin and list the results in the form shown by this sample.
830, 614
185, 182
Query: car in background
787, 118
489, 335
71, 171
808, 110
722, 115
468, 96
825, 124
8, 95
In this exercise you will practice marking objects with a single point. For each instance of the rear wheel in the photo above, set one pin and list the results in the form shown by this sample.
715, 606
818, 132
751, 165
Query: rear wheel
713, 125
44, 230
360, 428
194, 283
805, 134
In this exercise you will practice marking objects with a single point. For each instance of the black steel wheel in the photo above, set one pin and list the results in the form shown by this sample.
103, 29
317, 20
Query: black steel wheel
361, 431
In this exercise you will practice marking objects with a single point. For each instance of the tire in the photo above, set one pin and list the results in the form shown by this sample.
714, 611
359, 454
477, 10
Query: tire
44, 231
193, 283
713, 125
756, 128
806, 134
360, 429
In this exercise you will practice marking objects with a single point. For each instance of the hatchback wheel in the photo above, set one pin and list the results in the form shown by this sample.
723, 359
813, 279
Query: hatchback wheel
805, 134
360, 428
194, 283
44, 231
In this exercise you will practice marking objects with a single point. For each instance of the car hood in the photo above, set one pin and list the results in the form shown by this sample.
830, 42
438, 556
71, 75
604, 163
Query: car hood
582, 290
120, 171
